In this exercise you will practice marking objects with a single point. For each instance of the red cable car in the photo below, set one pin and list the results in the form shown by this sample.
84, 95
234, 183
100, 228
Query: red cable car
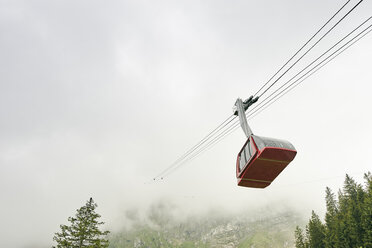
261, 159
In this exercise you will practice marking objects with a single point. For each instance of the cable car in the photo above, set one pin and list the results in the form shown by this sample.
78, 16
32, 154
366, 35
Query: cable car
261, 159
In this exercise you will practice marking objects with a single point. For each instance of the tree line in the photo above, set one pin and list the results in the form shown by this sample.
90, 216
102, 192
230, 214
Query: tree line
347, 222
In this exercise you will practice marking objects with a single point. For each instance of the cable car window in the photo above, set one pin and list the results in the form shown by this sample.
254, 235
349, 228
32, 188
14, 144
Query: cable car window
242, 161
248, 150
245, 155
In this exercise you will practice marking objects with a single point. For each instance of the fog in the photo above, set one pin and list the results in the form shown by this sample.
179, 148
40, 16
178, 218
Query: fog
98, 97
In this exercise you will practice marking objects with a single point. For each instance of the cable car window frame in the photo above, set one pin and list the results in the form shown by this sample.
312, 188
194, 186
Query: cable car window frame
249, 147
242, 160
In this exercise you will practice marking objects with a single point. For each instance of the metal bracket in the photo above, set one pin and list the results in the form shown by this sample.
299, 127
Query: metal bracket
239, 109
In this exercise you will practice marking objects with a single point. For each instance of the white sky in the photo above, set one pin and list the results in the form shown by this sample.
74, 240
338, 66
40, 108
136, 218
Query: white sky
98, 97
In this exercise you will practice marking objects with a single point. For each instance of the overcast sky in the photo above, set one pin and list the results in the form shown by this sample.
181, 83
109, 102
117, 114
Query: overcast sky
98, 97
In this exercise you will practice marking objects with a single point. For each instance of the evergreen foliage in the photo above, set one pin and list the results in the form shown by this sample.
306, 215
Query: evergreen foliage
348, 220
299, 237
315, 231
83, 231
331, 219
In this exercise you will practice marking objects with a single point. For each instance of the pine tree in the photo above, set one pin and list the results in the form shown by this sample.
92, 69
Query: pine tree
342, 232
315, 232
352, 212
367, 212
300, 239
331, 220
83, 231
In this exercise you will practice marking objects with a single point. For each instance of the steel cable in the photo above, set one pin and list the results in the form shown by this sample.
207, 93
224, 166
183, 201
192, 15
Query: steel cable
276, 73
253, 113
192, 149
321, 38
314, 61
189, 154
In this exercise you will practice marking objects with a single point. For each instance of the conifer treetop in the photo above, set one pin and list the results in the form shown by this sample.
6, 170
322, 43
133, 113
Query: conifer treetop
83, 230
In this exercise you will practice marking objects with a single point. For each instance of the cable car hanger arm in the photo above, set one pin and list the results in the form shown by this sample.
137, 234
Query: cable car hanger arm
239, 109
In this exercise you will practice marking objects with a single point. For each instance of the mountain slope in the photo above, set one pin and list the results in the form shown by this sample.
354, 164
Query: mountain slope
264, 230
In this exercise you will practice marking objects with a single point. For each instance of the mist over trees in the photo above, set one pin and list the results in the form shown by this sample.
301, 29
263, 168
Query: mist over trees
165, 225
347, 223
348, 220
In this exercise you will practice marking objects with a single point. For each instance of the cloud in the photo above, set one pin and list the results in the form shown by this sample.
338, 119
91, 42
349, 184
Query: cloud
97, 98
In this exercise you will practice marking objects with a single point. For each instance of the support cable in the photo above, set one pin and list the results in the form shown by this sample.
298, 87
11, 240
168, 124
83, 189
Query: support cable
321, 38
184, 158
314, 61
200, 143
276, 73
255, 110
309, 73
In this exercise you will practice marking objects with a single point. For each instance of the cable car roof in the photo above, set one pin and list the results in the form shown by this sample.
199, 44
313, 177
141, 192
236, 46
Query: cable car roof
262, 142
